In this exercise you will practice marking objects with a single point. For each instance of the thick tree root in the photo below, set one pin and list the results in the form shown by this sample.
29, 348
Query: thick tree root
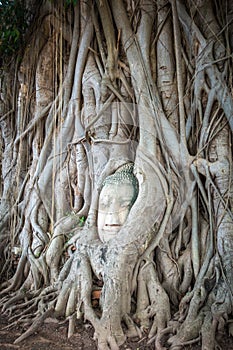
153, 302
71, 327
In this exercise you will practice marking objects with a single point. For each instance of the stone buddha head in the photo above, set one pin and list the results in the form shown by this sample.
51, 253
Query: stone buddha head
118, 194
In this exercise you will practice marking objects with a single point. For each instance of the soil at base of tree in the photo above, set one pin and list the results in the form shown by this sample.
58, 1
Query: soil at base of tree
53, 335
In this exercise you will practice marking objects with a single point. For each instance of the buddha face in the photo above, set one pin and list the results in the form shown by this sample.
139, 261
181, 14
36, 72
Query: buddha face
115, 202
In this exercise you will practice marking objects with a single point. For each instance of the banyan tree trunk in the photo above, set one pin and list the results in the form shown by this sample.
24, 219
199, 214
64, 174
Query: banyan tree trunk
103, 86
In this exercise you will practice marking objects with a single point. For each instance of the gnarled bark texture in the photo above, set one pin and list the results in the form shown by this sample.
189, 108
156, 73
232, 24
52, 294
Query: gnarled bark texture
100, 84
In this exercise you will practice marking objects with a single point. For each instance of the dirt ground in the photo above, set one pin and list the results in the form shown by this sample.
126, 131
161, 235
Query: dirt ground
53, 336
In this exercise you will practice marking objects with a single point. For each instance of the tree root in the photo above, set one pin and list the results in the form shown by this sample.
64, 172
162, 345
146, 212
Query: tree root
34, 327
30, 305
202, 320
132, 330
26, 320
208, 330
106, 343
158, 308
71, 327
189, 330
7, 302
17, 279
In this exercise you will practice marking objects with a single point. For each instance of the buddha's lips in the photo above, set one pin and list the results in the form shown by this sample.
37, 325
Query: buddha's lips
113, 225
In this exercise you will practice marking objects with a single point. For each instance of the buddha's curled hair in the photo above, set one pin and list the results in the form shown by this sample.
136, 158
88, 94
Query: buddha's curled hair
124, 174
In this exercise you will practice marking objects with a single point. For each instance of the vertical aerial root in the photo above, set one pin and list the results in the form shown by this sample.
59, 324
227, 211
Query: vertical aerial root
71, 327
18, 277
63, 297
55, 249
208, 330
141, 316
160, 303
72, 300
156, 304
39, 266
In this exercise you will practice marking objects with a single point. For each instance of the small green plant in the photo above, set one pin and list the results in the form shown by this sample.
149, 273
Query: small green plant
77, 221
81, 221
37, 254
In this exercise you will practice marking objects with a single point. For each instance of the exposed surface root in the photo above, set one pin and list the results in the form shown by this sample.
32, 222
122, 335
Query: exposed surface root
34, 327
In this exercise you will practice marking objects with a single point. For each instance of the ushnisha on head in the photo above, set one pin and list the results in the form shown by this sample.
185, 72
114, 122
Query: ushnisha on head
118, 193
122, 175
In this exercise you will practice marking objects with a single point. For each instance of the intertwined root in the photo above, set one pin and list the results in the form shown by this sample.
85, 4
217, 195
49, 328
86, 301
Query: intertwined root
152, 301
206, 314
202, 313
30, 309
